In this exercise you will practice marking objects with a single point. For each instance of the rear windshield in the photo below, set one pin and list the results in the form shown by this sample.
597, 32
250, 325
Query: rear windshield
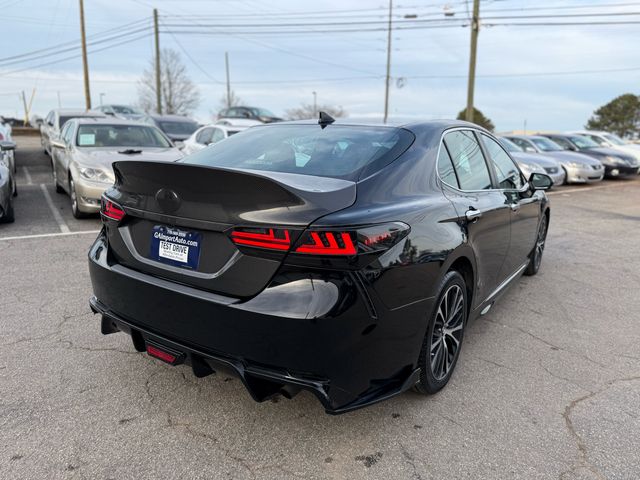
65, 119
178, 128
120, 136
337, 151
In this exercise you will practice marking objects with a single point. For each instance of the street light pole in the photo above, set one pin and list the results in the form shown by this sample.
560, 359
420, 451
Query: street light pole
315, 104
475, 27
101, 97
85, 64
388, 77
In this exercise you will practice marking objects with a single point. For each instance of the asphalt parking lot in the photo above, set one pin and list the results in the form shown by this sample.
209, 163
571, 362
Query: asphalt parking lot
547, 386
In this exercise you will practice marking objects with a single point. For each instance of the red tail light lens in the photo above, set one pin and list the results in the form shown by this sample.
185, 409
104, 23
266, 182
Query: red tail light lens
270, 238
111, 210
326, 243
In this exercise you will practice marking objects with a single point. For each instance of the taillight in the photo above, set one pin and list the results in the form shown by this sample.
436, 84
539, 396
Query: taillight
1, 137
111, 210
269, 238
326, 243
346, 243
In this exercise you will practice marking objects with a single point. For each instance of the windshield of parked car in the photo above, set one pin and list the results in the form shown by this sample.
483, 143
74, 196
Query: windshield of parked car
509, 146
545, 144
178, 128
599, 140
125, 110
583, 142
140, 136
338, 151
262, 112
616, 140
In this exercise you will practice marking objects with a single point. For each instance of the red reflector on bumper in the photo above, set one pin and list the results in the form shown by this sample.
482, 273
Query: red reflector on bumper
164, 356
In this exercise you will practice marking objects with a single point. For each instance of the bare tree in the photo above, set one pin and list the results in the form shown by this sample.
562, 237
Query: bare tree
233, 101
306, 111
179, 95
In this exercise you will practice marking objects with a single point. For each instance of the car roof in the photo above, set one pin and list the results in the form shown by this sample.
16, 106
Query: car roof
173, 118
109, 121
224, 127
442, 124
78, 112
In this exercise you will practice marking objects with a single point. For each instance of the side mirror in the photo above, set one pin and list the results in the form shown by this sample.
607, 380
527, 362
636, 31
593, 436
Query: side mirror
540, 181
58, 144
6, 146
179, 144
529, 149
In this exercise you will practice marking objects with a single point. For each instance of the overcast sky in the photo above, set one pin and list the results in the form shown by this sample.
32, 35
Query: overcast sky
520, 69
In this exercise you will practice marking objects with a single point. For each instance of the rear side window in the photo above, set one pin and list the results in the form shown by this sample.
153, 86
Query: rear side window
445, 168
338, 151
468, 161
509, 177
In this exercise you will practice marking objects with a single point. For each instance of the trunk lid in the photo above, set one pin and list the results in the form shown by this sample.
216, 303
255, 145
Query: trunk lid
198, 206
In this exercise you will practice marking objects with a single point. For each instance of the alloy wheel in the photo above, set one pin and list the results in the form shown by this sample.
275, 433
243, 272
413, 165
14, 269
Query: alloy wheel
447, 332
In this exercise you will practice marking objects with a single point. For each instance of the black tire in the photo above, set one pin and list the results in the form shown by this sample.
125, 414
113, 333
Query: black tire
535, 259
74, 200
444, 333
9, 214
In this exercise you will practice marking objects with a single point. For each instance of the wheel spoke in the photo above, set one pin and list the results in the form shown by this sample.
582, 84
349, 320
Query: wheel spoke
447, 331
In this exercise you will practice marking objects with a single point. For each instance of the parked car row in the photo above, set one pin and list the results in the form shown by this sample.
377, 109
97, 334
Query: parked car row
582, 159
83, 144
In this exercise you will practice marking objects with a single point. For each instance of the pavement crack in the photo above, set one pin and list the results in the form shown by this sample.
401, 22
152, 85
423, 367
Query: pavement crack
585, 462
411, 461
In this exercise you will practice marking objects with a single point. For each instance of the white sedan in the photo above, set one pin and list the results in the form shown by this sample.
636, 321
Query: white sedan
207, 135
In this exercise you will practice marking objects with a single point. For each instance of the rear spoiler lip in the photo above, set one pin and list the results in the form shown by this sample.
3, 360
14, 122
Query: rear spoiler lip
332, 193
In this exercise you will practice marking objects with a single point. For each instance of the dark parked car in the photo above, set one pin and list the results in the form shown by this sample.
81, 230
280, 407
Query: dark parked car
252, 113
341, 259
176, 127
8, 188
616, 163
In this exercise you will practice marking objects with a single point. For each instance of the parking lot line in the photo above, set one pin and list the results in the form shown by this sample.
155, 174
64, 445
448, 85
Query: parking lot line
56, 214
46, 235
27, 175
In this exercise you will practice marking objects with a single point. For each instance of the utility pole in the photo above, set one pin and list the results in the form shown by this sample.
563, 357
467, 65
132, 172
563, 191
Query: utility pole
315, 104
388, 77
226, 66
85, 64
475, 27
156, 35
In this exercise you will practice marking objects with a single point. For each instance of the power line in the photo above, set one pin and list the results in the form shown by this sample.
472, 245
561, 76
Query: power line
73, 57
70, 49
73, 42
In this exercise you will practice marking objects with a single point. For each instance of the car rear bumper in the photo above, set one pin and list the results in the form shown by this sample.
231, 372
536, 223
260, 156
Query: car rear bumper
352, 355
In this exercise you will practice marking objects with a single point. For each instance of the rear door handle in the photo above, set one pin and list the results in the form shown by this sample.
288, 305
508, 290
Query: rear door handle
473, 214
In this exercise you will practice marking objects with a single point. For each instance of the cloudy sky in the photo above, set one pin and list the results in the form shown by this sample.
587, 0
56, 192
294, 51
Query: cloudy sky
549, 76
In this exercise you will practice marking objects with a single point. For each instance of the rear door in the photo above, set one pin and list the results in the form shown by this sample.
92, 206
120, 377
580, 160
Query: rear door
483, 209
524, 205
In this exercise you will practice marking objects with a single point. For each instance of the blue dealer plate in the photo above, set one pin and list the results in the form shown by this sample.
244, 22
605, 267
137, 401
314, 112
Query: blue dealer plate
175, 247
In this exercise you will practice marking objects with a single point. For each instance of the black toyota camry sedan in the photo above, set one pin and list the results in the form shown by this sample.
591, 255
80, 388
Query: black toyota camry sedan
341, 259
